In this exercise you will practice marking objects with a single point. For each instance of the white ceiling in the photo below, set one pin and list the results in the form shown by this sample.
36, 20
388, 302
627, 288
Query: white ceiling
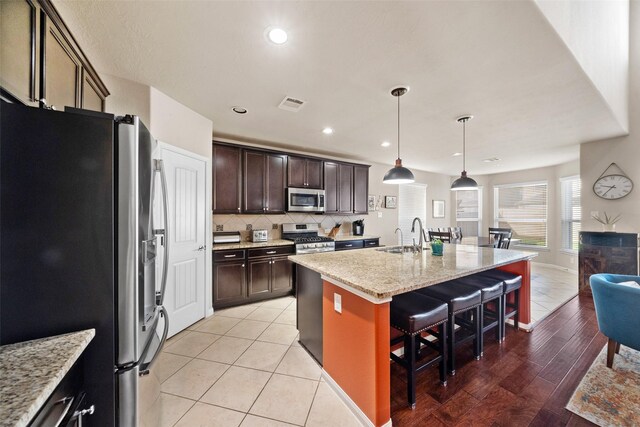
498, 60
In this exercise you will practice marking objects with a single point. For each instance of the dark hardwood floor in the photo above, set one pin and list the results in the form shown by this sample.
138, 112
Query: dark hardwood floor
525, 381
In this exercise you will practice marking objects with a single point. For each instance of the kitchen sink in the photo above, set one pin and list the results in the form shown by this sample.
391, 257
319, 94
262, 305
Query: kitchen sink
398, 249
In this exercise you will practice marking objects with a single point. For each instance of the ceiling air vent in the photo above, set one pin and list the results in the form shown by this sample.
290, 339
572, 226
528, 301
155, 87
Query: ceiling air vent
291, 104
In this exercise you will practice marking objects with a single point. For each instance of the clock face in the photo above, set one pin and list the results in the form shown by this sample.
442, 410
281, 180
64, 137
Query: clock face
612, 187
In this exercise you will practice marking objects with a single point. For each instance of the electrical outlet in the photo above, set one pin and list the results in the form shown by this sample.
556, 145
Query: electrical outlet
379, 214
219, 227
572, 260
337, 302
274, 226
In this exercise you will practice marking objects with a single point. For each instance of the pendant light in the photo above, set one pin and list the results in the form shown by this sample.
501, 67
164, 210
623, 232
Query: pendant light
464, 182
398, 174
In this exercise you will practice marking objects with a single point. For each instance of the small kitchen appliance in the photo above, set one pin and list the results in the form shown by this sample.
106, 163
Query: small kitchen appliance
306, 238
220, 237
259, 236
358, 227
305, 200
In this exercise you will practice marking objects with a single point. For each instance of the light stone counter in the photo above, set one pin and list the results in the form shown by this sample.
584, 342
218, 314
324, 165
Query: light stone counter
252, 245
31, 370
347, 237
382, 275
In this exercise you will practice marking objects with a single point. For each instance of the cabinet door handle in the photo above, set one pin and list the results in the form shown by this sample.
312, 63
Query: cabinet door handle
348, 246
230, 256
267, 209
271, 252
242, 265
238, 209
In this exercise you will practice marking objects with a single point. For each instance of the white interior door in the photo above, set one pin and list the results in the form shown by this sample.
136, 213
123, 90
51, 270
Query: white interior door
186, 188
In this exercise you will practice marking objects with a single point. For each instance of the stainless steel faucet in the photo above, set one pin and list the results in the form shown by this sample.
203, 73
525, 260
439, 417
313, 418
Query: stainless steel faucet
420, 231
401, 238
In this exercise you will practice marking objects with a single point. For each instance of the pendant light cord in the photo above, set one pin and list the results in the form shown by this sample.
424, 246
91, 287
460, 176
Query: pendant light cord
464, 143
398, 126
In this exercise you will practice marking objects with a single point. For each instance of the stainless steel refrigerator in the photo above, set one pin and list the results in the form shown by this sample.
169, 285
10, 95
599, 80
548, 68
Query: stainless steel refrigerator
78, 245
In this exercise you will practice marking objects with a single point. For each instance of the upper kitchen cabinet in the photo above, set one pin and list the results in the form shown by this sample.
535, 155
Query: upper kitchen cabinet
360, 189
264, 182
345, 188
41, 62
304, 172
227, 179
18, 60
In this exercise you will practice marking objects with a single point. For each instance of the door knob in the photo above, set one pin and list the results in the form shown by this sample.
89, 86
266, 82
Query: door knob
202, 248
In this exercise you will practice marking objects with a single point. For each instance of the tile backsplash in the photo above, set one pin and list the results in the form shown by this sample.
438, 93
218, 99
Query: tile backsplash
272, 223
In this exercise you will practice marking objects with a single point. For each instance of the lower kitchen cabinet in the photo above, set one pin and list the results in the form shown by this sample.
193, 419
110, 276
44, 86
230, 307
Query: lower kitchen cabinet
229, 278
240, 277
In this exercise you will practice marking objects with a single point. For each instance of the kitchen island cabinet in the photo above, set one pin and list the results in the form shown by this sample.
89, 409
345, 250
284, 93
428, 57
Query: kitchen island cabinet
356, 331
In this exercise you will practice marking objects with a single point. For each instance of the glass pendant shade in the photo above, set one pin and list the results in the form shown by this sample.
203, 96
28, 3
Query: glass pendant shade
398, 174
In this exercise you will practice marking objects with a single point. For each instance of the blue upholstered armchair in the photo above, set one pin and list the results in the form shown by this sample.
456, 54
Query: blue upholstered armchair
617, 310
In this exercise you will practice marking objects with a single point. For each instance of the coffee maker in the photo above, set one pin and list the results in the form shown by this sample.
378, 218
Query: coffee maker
358, 227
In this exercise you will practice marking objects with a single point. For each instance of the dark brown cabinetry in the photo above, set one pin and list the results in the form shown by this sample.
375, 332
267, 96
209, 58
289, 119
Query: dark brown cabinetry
243, 276
41, 63
345, 185
229, 277
264, 182
304, 172
360, 189
346, 245
227, 179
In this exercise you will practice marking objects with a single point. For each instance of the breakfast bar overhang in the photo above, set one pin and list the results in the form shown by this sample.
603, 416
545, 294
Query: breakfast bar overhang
357, 287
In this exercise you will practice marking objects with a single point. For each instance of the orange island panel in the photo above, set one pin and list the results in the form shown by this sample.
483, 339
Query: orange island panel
522, 268
356, 345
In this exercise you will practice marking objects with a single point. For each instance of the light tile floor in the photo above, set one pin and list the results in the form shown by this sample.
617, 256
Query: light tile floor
550, 289
244, 367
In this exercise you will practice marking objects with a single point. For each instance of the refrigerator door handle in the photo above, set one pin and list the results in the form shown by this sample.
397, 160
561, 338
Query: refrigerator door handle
159, 167
145, 367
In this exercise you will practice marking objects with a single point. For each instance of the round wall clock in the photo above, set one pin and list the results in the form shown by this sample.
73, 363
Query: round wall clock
612, 187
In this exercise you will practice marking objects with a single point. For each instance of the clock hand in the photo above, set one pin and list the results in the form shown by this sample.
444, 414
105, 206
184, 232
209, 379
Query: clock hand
611, 187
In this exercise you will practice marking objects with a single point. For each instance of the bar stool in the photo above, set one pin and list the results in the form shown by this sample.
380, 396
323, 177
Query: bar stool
511, 283
412, 314
460, 298
492, 290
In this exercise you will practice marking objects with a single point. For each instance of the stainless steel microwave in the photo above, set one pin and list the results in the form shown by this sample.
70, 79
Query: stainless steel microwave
305, 200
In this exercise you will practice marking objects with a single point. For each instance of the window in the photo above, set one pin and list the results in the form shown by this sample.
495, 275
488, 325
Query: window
412, 202
523, 208
571, 213
469, 211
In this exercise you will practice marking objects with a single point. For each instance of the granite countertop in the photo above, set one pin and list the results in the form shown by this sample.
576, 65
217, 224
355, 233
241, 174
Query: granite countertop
252, 245
31, 370
352, 237
382, 275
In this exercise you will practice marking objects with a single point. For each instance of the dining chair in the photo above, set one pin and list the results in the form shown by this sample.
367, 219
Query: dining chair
499, 234
456, 233
445, 236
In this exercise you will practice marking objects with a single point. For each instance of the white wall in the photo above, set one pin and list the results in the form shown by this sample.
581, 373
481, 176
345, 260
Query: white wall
624, 151
597, 34
127, 97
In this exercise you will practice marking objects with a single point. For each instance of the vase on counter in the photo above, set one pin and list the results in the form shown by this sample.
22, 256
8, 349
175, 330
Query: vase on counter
436, 249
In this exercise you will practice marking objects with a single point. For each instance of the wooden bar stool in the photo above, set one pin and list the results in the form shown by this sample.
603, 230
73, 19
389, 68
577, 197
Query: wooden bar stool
412, 314
460, 298
511, 283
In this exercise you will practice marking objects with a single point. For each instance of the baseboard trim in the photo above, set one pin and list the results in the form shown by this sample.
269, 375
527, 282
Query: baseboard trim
555, 267
364, 420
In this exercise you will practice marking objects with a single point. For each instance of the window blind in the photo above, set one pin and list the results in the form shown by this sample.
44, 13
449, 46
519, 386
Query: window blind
469, 211
412, 202
523, 208
571, 215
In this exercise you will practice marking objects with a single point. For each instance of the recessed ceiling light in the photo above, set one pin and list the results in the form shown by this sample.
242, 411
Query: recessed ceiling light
277, 35
327, 131
386, 144
456, 154
491, 159
239, 110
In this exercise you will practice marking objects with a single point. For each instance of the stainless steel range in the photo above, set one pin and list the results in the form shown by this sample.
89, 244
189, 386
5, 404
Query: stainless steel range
306, 238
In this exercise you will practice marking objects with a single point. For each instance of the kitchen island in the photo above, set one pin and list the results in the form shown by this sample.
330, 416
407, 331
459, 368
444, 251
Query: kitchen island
357, 287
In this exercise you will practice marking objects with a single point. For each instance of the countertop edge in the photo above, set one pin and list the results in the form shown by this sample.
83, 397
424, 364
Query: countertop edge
299, 259
44, 393
251, 245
